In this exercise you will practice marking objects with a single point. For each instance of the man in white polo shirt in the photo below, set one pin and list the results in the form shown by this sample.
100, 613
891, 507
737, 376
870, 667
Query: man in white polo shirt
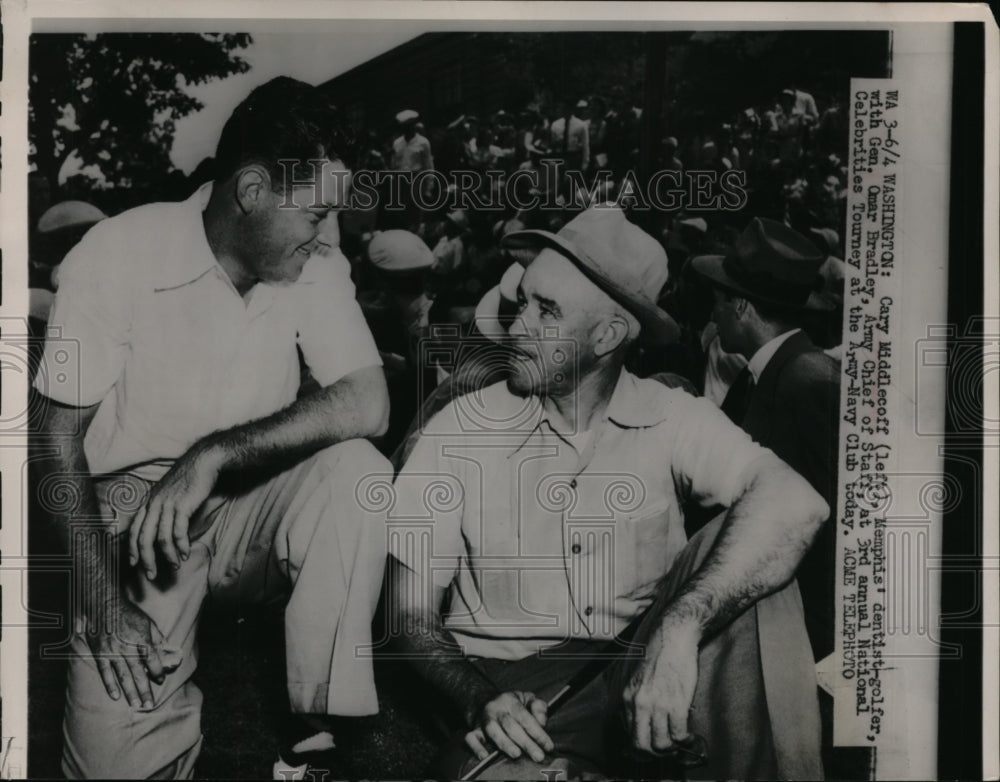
197, 463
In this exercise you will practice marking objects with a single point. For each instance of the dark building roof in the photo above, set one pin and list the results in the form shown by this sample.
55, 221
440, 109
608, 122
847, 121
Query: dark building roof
441, 75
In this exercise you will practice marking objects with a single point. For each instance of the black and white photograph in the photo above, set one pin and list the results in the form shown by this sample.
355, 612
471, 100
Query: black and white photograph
628, 372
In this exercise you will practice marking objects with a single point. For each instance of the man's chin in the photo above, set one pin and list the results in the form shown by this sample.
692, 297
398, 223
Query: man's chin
289, 276
521, 384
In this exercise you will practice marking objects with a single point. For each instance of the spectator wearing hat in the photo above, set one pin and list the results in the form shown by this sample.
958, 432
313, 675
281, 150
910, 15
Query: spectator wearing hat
768, 286
788, 396
411, 151
411, 154
60, 228
397, 306
529, 463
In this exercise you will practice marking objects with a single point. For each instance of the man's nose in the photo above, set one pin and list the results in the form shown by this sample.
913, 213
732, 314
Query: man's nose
517, 327
329, 231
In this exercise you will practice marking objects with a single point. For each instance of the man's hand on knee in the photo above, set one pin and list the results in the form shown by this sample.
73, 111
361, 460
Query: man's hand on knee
121, 639
164, 519
515, 723
658, 697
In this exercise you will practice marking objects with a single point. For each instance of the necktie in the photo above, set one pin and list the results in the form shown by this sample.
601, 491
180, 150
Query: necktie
738, 397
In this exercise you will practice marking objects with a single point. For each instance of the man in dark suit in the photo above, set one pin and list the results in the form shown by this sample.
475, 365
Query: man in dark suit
788, 399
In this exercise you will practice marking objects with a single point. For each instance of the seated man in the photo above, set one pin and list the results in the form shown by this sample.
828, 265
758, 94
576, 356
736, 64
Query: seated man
544, 510
195, 466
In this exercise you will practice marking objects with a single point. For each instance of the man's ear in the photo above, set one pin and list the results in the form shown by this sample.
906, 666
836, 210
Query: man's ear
610, 334
253, 185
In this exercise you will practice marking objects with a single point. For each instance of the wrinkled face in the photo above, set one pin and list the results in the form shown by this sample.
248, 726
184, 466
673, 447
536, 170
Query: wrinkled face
558, 312
293, 224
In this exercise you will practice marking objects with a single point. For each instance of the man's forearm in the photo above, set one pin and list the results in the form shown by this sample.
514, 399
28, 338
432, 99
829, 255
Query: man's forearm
95, 571
353, 407
762, 540
415, 606
439, 660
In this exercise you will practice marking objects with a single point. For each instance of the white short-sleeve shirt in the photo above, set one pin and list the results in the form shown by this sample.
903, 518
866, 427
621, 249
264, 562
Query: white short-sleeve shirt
545, 537
147, 324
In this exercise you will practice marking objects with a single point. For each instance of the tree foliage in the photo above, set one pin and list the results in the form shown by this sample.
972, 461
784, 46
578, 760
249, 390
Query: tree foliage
112, 100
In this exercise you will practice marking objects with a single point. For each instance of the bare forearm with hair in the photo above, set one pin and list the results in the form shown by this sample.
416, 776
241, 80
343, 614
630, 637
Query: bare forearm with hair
120, 636
356, 406
63, 429
432, 650
761, 543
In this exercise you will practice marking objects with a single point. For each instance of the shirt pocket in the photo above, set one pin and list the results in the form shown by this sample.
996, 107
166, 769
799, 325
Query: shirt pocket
646, 544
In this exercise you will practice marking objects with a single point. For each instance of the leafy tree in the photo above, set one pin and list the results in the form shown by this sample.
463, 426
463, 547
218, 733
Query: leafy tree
113, 100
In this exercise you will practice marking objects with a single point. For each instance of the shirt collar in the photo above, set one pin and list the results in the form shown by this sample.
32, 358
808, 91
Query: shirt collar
191, 257
766, 352
630, 407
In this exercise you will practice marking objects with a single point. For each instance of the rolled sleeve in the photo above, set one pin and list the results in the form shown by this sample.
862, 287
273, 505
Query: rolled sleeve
87, 340
332, 332
711, 454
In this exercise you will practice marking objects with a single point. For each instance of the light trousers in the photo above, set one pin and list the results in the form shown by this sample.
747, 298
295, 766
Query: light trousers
305, 536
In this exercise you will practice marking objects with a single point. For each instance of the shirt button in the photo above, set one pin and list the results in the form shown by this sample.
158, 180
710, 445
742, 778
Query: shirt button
588, 610
575, 548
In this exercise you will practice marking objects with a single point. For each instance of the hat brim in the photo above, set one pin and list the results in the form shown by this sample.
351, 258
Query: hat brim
657, 326
712, 268
487, 315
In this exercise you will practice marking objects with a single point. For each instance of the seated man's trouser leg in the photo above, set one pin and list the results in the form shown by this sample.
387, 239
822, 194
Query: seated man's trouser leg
303, 531
755, 703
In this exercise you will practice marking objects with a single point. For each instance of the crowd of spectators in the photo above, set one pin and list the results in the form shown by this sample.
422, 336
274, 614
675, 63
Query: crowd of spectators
420, 271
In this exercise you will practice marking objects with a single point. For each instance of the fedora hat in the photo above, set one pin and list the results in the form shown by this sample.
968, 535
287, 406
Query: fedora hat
769, 263
618, 257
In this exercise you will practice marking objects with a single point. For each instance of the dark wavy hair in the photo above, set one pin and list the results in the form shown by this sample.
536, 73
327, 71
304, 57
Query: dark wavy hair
284, 119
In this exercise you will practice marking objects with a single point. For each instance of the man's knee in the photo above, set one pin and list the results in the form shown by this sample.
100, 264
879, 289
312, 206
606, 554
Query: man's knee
353, 463
103, 738
356, 480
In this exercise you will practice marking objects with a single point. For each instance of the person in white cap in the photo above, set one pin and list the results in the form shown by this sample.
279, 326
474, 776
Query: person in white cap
411, 151
546, 508
397, 306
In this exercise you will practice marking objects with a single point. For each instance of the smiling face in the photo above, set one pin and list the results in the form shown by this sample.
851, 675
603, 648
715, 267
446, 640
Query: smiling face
287, 226
559, 313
